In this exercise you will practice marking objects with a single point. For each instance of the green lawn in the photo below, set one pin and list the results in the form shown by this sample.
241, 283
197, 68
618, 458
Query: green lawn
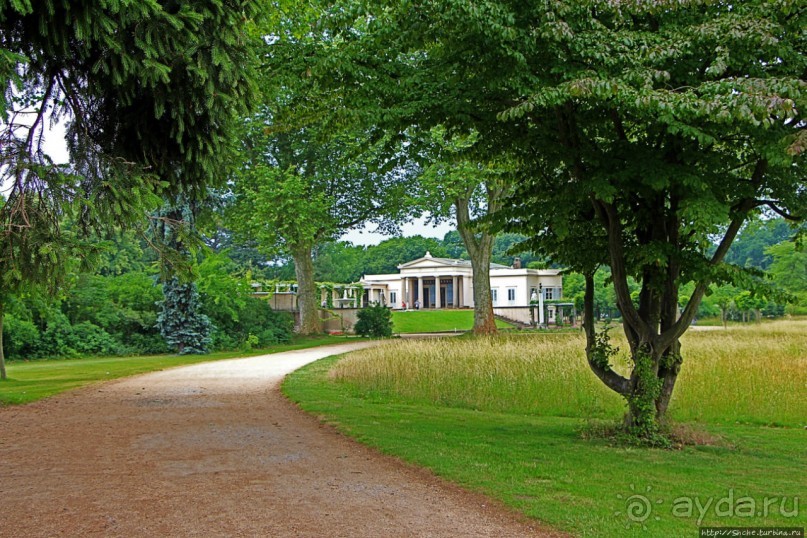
435, 321
540, 464
30, 381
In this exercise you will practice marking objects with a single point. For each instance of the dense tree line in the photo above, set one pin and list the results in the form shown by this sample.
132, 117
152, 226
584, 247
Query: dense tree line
115, 310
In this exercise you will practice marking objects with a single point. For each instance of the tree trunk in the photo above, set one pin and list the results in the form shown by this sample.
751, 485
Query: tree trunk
480, 249
654, 328
484, 320
668, 373
670, 360
306, 290
2, 353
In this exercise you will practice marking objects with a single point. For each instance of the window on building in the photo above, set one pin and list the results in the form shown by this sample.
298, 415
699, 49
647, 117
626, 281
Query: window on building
393, 297
549, 293
511, 296
494, 294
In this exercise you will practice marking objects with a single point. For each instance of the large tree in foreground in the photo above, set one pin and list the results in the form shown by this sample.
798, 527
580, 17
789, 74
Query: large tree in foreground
645, 130
671, 125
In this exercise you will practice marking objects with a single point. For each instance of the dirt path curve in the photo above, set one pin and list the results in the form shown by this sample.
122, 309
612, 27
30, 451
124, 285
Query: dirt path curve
214, 450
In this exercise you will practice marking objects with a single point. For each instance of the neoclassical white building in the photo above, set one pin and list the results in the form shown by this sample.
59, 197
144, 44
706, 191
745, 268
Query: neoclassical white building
447, 283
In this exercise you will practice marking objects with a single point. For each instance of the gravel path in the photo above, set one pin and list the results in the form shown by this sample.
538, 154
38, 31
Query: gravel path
214, 450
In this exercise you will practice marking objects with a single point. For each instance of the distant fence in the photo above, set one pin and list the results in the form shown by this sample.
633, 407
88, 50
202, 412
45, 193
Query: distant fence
339, 319
554, 314
335, 320
519, 314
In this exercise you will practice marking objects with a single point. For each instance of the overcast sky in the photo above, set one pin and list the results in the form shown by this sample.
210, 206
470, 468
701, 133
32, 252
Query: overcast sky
419, 227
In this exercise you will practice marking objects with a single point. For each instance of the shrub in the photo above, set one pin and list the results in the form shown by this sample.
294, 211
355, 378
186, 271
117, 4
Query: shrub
151, 343
57, 339
181, 321
374, 321
89, 339
799, 308
20, 337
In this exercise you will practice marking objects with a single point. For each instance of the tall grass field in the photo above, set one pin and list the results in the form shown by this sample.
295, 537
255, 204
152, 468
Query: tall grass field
754, 374
508, 416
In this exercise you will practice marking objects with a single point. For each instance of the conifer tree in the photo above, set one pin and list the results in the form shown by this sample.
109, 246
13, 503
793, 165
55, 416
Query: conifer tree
181, 321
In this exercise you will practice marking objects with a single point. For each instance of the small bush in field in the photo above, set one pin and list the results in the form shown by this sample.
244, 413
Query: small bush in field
374, 321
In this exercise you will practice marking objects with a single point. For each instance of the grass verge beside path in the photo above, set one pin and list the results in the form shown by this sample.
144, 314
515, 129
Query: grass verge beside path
435, 321
30, 381
538, 463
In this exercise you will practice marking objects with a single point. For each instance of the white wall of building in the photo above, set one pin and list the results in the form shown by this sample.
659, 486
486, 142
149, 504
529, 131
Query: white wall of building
521, 282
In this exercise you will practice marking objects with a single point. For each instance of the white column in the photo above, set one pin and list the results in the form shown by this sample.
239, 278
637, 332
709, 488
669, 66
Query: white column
420, 292
454, 291
437, 292
403, 291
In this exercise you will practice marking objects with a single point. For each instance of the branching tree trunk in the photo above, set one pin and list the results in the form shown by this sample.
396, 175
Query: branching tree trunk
653, 329
307, 300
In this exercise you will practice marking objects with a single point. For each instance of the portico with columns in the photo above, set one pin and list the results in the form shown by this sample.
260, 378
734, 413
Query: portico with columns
424, 289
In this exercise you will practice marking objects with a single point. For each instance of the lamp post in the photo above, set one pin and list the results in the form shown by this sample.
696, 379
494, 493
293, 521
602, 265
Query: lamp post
540, 304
